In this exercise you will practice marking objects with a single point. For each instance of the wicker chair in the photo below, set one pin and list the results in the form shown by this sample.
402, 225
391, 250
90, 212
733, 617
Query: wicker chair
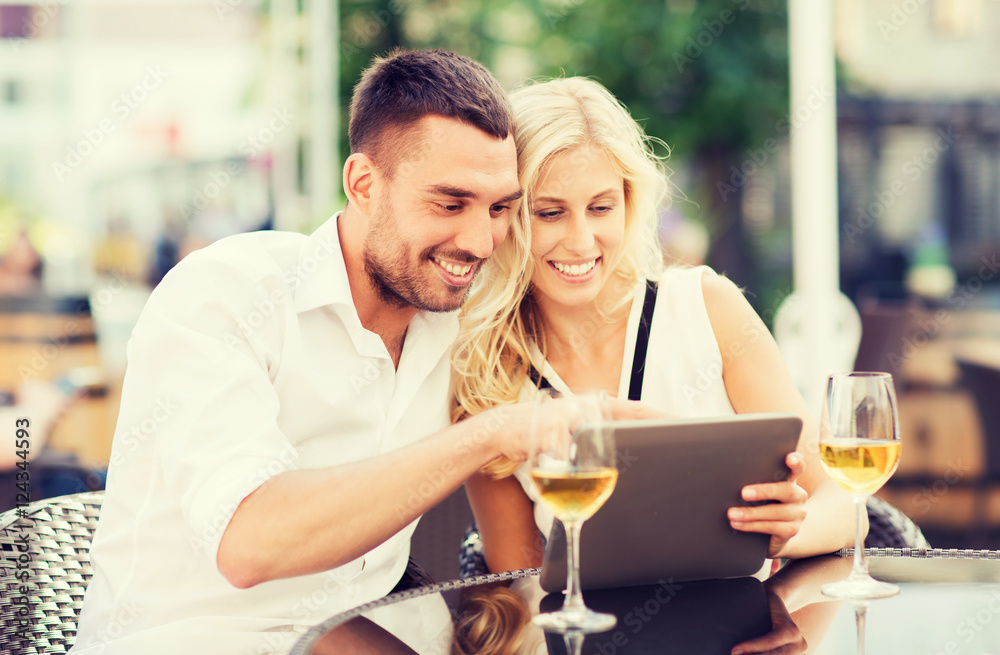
59, 531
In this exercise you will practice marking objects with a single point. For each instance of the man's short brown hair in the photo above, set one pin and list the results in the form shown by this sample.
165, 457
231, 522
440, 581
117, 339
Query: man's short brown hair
402, 87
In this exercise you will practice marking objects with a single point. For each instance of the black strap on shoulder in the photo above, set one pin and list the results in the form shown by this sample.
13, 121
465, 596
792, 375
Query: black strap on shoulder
538, 378
642, 342
638, 359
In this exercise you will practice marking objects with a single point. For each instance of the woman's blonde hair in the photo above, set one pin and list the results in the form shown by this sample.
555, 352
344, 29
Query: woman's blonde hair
497, 322
491, 621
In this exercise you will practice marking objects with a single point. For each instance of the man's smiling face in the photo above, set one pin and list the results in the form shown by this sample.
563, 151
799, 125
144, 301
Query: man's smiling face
442, 212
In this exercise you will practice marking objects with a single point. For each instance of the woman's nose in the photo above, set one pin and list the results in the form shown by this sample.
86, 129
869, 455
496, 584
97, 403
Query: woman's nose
580, 238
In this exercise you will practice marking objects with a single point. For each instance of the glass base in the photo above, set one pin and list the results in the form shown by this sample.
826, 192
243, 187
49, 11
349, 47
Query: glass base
584, 621
859, 587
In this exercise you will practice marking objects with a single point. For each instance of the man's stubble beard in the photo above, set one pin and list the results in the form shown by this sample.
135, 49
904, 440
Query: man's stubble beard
397, 282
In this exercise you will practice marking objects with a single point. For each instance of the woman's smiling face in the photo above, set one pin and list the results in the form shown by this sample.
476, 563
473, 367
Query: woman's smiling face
577, 226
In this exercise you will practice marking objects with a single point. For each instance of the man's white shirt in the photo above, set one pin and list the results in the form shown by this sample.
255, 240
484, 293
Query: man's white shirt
248, 360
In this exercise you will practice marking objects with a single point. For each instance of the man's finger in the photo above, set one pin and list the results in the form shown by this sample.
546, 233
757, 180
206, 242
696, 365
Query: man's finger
624, 410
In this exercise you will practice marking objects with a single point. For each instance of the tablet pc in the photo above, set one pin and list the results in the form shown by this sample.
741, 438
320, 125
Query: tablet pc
707, 616
667, 516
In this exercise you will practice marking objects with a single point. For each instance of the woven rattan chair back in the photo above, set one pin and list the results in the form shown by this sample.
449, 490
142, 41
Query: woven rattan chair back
57, 532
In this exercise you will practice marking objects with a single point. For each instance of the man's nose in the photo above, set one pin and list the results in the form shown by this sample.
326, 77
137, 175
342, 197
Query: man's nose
476, 236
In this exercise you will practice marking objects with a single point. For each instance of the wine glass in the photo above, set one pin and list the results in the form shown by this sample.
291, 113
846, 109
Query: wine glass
573, 468
859, 447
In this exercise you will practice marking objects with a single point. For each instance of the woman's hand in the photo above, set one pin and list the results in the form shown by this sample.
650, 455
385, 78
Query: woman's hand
785, 637
781, 518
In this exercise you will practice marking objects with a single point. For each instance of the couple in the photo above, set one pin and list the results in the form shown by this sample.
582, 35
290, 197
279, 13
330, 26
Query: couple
309, 379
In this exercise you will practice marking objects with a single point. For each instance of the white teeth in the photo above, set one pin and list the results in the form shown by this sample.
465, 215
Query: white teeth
459, 271
575, 269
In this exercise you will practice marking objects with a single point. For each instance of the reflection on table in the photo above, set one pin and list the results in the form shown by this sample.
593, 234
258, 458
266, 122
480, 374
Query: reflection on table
949, 603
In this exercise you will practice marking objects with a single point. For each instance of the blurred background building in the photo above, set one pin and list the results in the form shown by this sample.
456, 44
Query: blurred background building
132, 132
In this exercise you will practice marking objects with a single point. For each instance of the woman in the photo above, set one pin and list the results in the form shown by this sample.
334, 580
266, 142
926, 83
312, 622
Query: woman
559, 304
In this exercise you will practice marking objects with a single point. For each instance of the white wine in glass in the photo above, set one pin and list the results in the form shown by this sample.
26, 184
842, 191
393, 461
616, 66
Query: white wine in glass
859, 447
859, 466
573, 468
575, 495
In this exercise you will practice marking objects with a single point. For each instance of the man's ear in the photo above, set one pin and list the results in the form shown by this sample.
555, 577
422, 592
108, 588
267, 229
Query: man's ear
359, 178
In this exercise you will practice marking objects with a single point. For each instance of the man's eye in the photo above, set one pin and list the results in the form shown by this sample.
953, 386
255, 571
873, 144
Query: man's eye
449, 208
499, 210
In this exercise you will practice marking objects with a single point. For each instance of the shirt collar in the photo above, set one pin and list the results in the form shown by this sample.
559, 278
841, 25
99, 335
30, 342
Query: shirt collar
321, 279
320, 275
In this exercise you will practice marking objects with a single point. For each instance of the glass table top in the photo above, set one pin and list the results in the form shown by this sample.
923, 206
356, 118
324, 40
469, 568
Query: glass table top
948, 605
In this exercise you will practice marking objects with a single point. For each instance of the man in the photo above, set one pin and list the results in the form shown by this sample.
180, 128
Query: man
271, 456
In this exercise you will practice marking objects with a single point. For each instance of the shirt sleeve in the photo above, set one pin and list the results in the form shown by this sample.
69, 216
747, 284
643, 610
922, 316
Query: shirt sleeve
201, 361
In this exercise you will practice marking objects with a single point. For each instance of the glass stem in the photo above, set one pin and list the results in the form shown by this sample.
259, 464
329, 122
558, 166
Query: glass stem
860, 568
573, 640
574, 596
860, 610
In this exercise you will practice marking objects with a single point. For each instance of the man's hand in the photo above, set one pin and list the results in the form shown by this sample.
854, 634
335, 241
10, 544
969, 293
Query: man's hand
511, 426
630, 410
780, 519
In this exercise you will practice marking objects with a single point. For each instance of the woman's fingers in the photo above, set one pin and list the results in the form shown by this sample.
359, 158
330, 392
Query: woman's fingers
796, 463
782, 517
780, 492
775, 512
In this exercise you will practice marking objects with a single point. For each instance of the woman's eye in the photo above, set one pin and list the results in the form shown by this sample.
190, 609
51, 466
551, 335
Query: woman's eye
548, 214
602, 209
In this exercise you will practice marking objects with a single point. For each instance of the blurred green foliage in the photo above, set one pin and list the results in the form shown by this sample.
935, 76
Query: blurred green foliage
710, 75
